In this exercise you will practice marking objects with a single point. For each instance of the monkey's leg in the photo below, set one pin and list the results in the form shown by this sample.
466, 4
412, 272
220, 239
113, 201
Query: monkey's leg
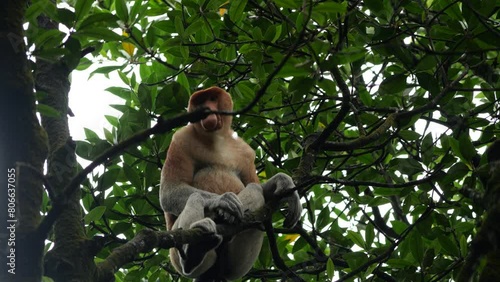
199, 257
242, 250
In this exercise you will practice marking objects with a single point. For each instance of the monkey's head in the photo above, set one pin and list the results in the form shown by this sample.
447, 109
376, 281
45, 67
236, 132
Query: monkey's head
215, 99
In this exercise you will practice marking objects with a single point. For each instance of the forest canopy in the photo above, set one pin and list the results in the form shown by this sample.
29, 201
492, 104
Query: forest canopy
381, 111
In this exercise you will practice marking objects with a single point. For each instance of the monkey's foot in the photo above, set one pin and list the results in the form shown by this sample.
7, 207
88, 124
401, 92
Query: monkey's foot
201, 256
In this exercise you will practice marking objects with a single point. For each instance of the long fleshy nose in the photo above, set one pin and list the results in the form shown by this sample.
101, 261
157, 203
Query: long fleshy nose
210, 122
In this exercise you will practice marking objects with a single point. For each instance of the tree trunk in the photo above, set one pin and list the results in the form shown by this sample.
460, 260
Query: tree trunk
22, 154
72, 258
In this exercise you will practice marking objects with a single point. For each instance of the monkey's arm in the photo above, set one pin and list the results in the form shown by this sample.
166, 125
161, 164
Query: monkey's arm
175, 189
174, 196
279, 185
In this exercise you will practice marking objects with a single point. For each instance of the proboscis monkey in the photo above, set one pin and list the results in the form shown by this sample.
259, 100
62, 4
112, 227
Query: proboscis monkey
209, 176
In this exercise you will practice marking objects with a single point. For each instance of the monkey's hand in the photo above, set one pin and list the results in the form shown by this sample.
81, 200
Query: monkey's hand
281, 187
226, 207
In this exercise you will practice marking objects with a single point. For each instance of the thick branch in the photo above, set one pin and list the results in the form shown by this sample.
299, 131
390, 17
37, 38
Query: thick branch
146, 240
161, 127
362, 140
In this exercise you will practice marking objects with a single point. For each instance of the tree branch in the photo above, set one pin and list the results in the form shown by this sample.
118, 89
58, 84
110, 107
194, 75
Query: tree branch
162, 126
344, 110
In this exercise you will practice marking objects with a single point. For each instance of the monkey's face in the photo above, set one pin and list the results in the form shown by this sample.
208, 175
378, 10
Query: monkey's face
215, 99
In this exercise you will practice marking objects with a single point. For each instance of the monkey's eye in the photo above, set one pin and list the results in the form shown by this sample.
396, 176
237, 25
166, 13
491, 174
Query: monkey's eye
213, 98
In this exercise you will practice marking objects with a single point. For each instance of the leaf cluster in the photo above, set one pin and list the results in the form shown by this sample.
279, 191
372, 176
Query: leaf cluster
404, 96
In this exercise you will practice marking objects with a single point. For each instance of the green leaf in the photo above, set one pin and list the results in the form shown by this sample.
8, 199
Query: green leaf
95, 214
464, 246
448, 245
369, 234
47, 279
47, 36
427, 149
323, 218
355, 259
112, 120
166, 26
463, 148
393, 84
429, 83
428, 62
121, 92
35, 9
257, 33
300, 85
132, 176
179, 26
236, 9
366, 97
349, 55
467, 149
82, 7
84, 149
294, 69
138, 10
407, 166
381, 191
457, 171
382, 9
121, 227
247, 48
72, 58
144, 94
409, 135
330, 267
292, 4
183, 80
108, 179
99, 19
53, 55
109, 136
66, 17
194, 27
399, 226
399, 263
121, 10
331, 7
428, 258
184, 51
356, 238
453, 11
417, 246
270, 34
48, 111
91, 135
99, 33
106, 70
464, 227
379, 201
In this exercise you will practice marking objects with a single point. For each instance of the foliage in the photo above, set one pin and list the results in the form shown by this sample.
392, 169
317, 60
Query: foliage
400, 99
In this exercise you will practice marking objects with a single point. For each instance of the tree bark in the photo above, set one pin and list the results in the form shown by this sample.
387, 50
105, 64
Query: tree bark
23, 149
72, 258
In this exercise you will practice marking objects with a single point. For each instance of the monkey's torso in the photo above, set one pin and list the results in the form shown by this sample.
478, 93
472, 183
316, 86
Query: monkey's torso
218, 168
